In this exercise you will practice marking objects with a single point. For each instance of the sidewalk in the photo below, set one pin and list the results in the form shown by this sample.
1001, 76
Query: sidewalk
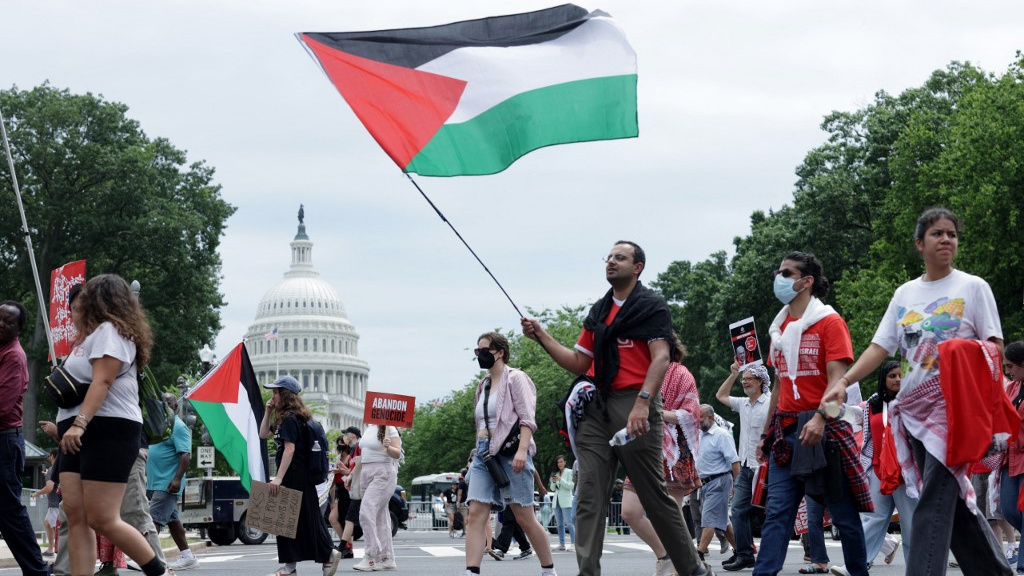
7, 559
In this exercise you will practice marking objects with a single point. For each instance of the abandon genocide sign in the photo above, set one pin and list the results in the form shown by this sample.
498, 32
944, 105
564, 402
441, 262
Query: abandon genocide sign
389, 409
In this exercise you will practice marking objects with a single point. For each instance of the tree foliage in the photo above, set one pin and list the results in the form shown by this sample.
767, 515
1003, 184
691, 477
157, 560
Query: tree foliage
956, 141
95, 187
444, 432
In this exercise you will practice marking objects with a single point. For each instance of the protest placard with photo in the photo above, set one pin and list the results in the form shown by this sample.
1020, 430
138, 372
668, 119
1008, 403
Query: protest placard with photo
745, 347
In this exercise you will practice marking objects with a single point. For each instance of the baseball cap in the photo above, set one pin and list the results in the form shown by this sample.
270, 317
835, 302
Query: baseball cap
287, 382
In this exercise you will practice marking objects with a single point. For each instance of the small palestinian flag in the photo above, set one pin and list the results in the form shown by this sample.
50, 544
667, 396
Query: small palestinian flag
471, 97
229, 402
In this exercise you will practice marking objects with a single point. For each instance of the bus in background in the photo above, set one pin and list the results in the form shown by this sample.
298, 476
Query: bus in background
426, 501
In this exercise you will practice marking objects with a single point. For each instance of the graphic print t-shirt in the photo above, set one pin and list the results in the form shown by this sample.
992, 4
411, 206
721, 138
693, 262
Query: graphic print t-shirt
923, 314
825, 341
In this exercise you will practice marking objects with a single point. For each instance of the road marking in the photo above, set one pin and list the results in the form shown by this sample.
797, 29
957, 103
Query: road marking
632, 546
443, 551
208, 559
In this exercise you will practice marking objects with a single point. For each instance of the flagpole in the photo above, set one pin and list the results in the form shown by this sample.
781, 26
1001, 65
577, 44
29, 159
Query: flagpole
28, 241
464, 243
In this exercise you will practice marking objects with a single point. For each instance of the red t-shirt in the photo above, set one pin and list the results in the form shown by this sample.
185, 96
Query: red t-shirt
826, 341
634, 356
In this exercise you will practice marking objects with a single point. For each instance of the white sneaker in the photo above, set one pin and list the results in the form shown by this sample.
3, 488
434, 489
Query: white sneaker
570, 547
548, 572
331, 566
366, 565
840, 570
892, 555
387, 564
183, 563
664, 568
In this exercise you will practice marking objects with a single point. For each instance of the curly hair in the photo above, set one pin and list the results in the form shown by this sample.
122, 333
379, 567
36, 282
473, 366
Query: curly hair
107, 298
809, 265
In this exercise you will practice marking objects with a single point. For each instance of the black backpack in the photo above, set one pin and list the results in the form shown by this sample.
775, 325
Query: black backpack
317, 464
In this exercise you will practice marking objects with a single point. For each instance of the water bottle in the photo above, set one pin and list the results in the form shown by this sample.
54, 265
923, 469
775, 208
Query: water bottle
316, 446
621, 437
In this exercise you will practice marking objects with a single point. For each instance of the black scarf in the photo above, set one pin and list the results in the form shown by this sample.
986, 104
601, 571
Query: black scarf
644, 316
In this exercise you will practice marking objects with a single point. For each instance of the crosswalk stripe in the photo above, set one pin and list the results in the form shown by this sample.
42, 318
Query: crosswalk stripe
632, 546
442, 551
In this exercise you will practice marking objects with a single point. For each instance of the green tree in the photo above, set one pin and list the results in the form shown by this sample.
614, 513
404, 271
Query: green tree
95, 187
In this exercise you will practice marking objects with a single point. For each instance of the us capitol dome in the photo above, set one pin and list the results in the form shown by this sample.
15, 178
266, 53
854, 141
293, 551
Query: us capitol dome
301, 329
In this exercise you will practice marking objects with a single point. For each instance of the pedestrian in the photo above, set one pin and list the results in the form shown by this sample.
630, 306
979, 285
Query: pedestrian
561, 486
1011, 472
625, 345
504, 417
615, 508
351, 436
946, 315
100, 438
752, 407
15, 526
52, 502
339, 494
450, 498
681, 412
165, 483
718, 465
287, 419
810, 346
463, 493
381, 451
510, 529
877, 431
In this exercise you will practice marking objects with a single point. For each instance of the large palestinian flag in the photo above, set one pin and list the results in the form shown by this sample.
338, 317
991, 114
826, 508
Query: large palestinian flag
229, 402
471, 97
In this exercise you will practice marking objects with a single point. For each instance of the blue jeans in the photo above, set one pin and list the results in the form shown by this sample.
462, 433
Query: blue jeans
784, 494
1009, 490
564, 518
940, 511
14, 523
876, 523
816, 531
741, 513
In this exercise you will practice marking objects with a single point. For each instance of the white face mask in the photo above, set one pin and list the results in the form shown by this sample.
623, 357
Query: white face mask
784, 289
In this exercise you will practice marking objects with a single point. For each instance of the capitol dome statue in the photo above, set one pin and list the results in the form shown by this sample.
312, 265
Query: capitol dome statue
301, 329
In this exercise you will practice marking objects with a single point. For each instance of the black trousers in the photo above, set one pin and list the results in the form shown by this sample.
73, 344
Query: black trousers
510, 529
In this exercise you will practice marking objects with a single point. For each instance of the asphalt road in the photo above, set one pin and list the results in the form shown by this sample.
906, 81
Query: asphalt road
436, 554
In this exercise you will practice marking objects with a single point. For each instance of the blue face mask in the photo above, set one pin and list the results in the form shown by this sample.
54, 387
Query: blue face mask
784, 289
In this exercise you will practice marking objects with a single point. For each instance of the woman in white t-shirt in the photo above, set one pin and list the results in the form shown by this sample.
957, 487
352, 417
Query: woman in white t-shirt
381, 450
942, 305
101, 437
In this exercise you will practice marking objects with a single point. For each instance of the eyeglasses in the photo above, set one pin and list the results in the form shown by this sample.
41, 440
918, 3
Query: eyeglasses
478, 351
616, 257
785, 273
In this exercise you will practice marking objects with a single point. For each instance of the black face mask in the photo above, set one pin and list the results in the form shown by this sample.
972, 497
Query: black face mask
485, 359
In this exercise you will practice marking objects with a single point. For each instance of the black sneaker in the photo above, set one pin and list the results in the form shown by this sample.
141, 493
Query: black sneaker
523, 554
739, 564
346, 553
730, 560
496, 554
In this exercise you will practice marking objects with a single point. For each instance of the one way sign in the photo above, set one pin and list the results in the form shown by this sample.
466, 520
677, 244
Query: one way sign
205, 457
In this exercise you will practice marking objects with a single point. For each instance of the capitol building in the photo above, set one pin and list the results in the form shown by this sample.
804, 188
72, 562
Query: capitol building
301, 329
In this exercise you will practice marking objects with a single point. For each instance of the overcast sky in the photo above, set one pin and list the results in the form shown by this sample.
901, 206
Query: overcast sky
731, 96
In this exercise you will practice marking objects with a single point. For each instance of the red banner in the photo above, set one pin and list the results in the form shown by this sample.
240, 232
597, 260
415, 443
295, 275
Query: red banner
61, 328
389, 409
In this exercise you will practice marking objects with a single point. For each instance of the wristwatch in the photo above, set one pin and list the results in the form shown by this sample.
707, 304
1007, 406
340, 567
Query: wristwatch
644, 395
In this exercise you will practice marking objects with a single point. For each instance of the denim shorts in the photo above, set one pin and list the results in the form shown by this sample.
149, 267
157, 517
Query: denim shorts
163, 507
483, 489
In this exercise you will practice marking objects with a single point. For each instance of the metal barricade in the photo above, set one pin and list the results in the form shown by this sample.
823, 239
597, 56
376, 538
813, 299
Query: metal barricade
36, 510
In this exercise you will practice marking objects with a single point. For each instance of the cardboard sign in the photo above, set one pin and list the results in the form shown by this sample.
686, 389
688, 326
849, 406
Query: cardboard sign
800, 525
274, 514
745, 346
389, 409
61, 281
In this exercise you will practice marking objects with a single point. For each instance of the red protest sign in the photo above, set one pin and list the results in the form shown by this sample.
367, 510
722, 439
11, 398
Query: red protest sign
61, 281
389, 409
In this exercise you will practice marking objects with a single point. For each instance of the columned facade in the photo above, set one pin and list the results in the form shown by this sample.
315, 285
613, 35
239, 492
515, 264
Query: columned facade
314, 341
